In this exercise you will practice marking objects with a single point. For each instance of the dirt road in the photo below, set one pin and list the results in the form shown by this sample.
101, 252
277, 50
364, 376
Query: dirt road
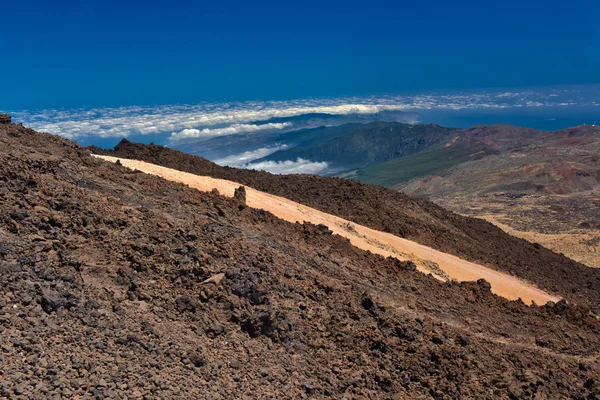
428, 260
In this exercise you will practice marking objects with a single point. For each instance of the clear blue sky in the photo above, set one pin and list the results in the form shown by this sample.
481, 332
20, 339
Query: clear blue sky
113, 53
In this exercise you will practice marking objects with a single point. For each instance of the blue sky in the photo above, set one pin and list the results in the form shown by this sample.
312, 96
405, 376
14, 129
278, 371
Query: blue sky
117, 53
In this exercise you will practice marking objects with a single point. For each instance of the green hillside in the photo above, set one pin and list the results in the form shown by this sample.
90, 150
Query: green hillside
360, 145
437, 161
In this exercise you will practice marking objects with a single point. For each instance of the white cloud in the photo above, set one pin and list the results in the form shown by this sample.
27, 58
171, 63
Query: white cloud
300, 166
210, 119
239, 160
230, 130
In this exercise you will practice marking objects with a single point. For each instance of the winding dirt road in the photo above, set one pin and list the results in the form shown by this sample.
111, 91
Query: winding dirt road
428, 260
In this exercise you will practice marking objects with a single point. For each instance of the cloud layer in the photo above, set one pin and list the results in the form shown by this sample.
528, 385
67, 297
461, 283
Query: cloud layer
230, 130
300, 166
214, 119
240, 160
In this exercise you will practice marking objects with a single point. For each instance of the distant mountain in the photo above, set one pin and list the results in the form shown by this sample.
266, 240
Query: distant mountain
322, 119
540, 185
299, 129
515, 159
359, 145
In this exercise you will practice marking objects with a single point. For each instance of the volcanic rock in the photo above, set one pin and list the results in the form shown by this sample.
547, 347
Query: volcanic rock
240, 194
300, 313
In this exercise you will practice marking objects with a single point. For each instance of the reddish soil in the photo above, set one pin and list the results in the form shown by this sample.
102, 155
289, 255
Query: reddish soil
405, 216
119, 284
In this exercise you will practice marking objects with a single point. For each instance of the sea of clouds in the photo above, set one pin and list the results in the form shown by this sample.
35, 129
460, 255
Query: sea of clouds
204, 120
244, 159
299, 166
177, 125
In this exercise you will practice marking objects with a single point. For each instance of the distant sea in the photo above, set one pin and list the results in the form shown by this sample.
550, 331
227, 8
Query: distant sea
548, 108
545, 118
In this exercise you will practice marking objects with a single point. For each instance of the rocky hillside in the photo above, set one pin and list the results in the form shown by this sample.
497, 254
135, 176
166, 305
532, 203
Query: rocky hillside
544, 186
524, 161
402, 215
118, 284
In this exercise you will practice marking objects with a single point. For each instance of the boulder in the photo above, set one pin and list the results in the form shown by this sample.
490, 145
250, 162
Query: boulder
484, 285
240, 194
5, 118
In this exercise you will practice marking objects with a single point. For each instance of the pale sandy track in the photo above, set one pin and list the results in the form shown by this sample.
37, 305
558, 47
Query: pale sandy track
360, 236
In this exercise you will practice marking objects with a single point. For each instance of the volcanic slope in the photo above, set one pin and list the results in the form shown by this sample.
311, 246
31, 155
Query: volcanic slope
401, 215
428, 260
120, 284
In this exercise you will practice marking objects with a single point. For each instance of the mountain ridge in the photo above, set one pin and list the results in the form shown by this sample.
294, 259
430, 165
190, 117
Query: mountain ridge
399, 214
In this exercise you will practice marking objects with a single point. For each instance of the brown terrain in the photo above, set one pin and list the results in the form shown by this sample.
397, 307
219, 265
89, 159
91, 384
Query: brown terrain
405, 216
121, 284
538, 185
443, 266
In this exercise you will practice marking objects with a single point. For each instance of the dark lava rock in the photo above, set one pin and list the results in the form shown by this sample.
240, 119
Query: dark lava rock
215, 330
560, 307
240, 194
197, 359
266, 322
186, 303
437, 340
52, 300
484, 285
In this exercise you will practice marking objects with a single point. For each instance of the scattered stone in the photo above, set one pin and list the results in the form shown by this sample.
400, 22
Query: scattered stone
437, 340
52, 300
484, 285
560, 307
240, 194
462, 340
197, 359
216, 330
215, 279
186, 303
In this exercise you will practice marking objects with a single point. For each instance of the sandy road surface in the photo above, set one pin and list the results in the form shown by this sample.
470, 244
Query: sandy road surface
428, 260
